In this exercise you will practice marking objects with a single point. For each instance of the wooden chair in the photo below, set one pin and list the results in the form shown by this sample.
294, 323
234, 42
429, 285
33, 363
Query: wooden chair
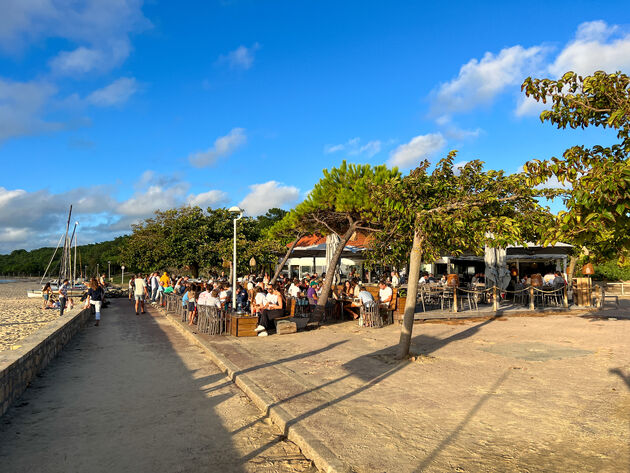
370, 316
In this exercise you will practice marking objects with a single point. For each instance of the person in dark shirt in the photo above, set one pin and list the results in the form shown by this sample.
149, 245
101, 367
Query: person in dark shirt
241, 298
63, 296
95, 297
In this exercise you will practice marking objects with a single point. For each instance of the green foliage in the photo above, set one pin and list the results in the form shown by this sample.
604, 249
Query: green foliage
343, 198
455, 211
198, 241
612, 271
597, 179
34, 262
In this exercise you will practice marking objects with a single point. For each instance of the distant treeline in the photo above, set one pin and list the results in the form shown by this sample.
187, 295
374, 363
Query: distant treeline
34, 262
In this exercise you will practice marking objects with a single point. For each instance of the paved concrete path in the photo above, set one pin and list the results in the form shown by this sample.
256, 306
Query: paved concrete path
133, 395
512, 394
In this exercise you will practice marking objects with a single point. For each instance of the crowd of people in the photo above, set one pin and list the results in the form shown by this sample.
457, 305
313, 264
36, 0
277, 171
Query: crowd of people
255, 295
93, 294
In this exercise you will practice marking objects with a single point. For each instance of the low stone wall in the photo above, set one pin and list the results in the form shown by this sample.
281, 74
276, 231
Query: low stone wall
19, 367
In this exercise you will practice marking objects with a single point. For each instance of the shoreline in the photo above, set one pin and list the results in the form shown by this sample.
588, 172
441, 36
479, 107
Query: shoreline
21, 316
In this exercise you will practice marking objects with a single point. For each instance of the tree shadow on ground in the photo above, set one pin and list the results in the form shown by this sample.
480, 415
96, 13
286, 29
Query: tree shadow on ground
375, 367
624, 376
450, 438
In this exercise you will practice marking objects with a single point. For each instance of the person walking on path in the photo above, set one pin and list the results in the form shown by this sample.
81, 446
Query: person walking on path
95, 298
140, 292
155, 283
63, 296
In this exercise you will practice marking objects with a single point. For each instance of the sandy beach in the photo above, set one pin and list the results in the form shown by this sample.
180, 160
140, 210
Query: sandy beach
21, 316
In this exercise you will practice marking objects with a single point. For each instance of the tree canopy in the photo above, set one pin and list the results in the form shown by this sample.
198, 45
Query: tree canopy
341, 203
596, 180
451, 210
194, 240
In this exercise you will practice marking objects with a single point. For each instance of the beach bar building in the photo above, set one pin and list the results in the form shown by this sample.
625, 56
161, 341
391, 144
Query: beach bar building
310, 256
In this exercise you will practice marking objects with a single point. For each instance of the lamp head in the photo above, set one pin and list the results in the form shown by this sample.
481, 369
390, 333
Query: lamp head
237, 212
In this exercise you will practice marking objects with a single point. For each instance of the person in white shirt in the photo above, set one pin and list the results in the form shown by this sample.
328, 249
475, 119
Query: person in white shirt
223, 295
548, 279
294, 290
202, 299
385, 293
274, 308
259, 301
140, 291
395, 279
212, 300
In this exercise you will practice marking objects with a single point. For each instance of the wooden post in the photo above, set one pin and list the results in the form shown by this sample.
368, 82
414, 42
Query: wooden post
602, 297
531, 297
565, 298
495, 301
455, 309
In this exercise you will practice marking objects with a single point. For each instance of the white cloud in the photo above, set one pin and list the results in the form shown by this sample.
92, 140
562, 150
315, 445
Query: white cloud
453, 132
100, 28
30, 219
241, 58
267, 195
204, 200
423, 146
223, 146
35, 219
597, 46
479, 81
21, 107
353, 147
116, 93
528, 106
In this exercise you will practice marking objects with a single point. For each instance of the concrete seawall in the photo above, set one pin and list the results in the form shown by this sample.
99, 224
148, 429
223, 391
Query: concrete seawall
19, 367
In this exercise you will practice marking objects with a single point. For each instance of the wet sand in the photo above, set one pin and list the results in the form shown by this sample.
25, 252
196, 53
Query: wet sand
21, 316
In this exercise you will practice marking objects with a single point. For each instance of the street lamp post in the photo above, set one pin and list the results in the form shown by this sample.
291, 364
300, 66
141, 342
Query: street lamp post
238, 214
109, 270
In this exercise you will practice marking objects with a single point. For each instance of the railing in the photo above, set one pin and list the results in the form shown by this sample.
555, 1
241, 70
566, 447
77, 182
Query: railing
210, 320
618, 288
456, 299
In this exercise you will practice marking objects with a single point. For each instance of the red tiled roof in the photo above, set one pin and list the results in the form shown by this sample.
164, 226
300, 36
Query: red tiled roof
359, 240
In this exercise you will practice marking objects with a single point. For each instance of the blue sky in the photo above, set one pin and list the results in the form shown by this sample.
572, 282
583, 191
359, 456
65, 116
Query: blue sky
122, 107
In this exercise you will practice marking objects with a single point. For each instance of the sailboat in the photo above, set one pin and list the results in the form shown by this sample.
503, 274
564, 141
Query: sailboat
67, 265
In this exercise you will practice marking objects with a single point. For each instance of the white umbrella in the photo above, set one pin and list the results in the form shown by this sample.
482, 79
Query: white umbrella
497, 273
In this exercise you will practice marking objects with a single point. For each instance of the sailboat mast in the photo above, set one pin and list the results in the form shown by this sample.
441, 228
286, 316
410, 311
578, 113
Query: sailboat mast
64, 255
74, 274
74, 230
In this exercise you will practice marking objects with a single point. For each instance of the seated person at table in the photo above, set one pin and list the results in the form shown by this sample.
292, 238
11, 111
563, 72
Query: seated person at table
348, 290
273, 309
365, 299
312, 293
558, 280
258, 303
365, 296
241, 298
294, 289
384, 294
548, 278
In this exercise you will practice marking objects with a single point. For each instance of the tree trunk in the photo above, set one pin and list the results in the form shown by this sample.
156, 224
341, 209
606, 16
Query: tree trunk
284, 260
406, 330
571, 269
330, 274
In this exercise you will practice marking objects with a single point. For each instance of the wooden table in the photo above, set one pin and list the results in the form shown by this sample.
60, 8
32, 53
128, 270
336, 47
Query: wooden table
243, 326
